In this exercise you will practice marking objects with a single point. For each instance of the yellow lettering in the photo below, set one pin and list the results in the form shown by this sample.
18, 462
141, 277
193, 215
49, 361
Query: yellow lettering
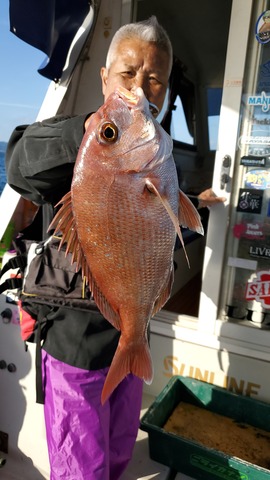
170, 365
230, 383
234, 387
182, 369
252, 389
212, 377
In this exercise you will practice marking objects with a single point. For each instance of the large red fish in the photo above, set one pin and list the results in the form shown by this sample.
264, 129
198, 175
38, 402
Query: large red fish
121, 219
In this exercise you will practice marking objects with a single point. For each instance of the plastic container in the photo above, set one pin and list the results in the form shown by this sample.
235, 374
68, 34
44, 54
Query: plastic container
190, 457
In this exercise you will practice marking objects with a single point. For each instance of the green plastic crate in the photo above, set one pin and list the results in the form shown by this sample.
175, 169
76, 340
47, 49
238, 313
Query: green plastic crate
190, 457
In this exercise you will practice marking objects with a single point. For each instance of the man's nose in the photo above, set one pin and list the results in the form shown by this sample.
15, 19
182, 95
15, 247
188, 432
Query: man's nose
140, 81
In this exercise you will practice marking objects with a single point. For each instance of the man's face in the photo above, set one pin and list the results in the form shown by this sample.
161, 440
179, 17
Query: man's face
138, 64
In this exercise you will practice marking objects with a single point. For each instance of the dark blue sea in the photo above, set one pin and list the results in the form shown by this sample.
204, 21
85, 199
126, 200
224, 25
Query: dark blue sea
3, 147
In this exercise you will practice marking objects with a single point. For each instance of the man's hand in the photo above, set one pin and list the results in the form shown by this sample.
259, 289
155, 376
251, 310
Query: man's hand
208, 198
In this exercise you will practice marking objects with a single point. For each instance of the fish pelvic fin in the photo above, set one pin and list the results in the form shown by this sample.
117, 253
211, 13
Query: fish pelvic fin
135, 359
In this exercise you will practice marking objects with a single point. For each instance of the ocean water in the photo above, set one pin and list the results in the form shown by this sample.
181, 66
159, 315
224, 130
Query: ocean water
3, 146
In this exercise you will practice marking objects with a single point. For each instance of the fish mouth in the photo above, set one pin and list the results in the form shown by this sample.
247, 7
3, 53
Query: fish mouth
136, 98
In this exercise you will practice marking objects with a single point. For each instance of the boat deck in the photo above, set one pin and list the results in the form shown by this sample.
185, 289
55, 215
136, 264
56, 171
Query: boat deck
141, 466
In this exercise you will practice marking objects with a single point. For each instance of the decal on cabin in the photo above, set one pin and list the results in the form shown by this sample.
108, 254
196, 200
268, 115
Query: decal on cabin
249, 201
262, 30
257, 179
252, 231
258, 289
173, 366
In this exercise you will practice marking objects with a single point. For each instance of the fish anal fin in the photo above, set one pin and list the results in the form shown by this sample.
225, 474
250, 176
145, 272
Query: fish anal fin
135, 359
188, 215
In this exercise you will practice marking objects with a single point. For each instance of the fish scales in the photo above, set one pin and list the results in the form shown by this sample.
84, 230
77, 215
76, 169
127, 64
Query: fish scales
125, 206
126, 233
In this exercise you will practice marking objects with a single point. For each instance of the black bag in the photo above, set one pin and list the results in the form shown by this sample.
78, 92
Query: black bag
45, 280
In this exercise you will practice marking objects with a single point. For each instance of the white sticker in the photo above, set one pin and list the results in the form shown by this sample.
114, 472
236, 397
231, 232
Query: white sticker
242, 263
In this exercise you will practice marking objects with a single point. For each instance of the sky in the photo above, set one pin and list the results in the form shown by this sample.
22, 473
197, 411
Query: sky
22, 88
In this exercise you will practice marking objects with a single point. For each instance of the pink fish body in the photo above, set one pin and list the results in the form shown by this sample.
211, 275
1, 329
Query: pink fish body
124, 217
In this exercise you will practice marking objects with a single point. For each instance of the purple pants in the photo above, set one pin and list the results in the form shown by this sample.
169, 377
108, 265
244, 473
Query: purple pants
88, 441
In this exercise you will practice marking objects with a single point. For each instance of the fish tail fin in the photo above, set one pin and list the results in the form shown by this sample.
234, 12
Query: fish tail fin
133, 359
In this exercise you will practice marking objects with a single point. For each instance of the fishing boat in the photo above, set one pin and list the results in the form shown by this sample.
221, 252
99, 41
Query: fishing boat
216, 325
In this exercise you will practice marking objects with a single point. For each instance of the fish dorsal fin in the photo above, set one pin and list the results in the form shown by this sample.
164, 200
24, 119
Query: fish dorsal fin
64, 222
151, 187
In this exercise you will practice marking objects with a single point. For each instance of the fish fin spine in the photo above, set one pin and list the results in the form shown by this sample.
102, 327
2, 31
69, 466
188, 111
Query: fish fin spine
64, 222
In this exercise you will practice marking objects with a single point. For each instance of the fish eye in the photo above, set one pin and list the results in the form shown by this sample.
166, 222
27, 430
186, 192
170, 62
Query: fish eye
109, 132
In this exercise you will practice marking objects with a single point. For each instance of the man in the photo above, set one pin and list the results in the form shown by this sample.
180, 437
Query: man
85, 440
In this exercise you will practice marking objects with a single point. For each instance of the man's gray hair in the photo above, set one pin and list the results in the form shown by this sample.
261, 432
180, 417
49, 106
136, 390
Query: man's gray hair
148, 30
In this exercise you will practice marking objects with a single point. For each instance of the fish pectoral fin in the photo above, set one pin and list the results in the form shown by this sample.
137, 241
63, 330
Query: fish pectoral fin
151, 187
135, 359
188, 215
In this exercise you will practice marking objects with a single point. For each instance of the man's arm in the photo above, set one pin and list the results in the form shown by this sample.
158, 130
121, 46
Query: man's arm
40, 157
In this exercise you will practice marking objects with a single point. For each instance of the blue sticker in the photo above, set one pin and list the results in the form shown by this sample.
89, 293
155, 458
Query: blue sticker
262, 30
259, 179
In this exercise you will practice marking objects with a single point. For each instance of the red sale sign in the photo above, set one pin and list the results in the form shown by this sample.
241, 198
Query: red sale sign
259, 289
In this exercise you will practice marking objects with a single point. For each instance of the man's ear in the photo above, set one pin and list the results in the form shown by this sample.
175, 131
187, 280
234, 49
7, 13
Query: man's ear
104, 78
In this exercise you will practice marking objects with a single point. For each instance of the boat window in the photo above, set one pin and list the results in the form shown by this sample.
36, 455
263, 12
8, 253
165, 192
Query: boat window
179, 127
214, 96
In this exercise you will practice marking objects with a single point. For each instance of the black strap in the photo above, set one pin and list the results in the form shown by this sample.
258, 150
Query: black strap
43, 317
39, 386
19, 261
10, 284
